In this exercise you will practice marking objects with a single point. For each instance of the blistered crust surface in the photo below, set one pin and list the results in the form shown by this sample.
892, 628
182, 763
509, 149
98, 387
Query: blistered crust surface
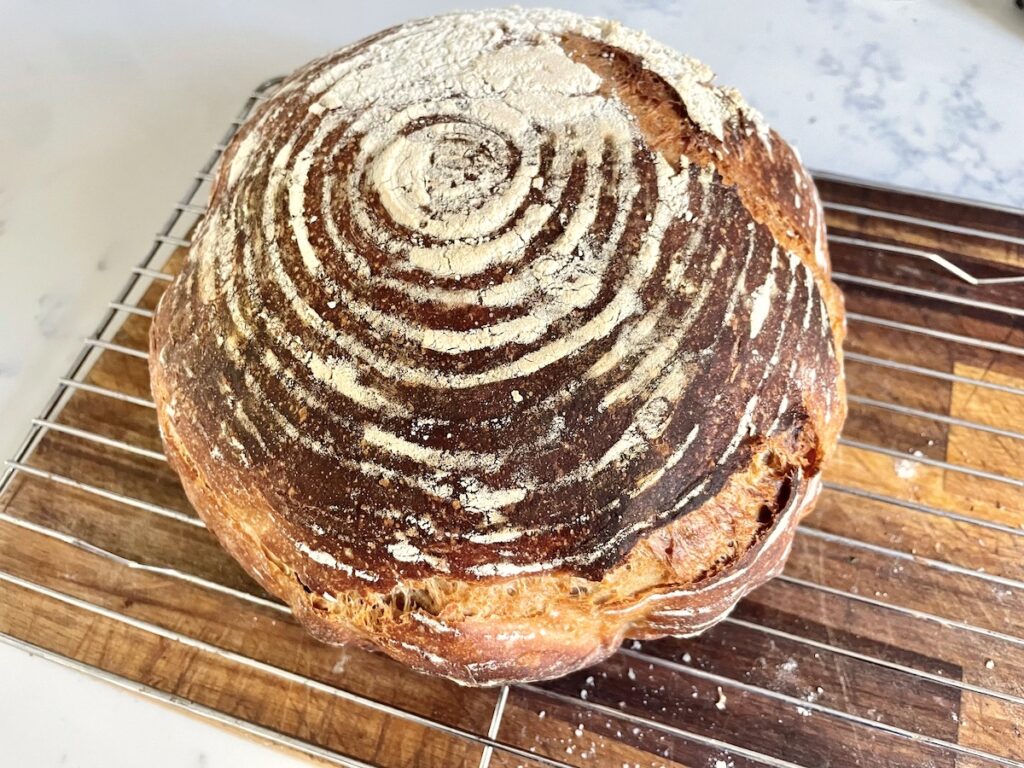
494, 297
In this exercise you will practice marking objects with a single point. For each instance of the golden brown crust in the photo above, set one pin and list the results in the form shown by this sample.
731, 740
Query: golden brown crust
679, 580
648, 477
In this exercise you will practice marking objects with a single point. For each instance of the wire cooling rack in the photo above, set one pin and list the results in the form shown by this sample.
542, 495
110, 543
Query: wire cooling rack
895, 637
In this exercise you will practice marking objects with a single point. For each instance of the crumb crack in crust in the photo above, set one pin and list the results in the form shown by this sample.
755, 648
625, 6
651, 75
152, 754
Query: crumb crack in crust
505, 334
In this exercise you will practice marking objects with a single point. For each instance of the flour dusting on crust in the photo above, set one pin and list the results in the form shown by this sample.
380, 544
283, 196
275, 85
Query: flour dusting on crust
457, 314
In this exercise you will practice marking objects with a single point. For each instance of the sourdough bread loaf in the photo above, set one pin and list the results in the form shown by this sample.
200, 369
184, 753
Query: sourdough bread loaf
506, 335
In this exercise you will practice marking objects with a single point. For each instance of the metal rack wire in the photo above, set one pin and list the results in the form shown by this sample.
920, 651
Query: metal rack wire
174, 234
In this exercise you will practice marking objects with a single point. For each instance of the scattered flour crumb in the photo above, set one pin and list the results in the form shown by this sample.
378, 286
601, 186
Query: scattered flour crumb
811, 697
517, 397
720, 704
905, 468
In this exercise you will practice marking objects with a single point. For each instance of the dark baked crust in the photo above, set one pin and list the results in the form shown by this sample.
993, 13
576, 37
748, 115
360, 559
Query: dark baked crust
505, 527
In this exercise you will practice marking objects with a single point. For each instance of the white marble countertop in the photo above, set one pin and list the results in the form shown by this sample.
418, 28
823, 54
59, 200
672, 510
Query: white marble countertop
107, 108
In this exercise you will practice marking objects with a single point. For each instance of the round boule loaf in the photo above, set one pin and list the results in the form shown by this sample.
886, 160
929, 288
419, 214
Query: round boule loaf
506, 335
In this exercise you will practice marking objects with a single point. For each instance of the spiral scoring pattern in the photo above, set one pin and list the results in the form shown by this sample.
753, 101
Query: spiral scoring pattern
464, 320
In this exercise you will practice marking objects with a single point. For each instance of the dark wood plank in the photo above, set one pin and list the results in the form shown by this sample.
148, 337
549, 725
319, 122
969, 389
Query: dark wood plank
920, 204
216, 682
671, 695
234, 624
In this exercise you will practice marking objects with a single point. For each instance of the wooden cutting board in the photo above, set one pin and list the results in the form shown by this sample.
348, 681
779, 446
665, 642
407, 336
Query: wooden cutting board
894, 637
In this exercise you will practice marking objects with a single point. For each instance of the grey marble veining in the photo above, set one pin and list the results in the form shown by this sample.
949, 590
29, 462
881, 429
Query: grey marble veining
927, 95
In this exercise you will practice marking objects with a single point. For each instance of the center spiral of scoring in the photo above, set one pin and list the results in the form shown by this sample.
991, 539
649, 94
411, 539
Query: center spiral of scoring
465, 295
461, 182
508, 202
448, 178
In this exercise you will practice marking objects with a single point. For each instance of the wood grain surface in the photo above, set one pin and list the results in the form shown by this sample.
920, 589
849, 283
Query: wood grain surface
893, 639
